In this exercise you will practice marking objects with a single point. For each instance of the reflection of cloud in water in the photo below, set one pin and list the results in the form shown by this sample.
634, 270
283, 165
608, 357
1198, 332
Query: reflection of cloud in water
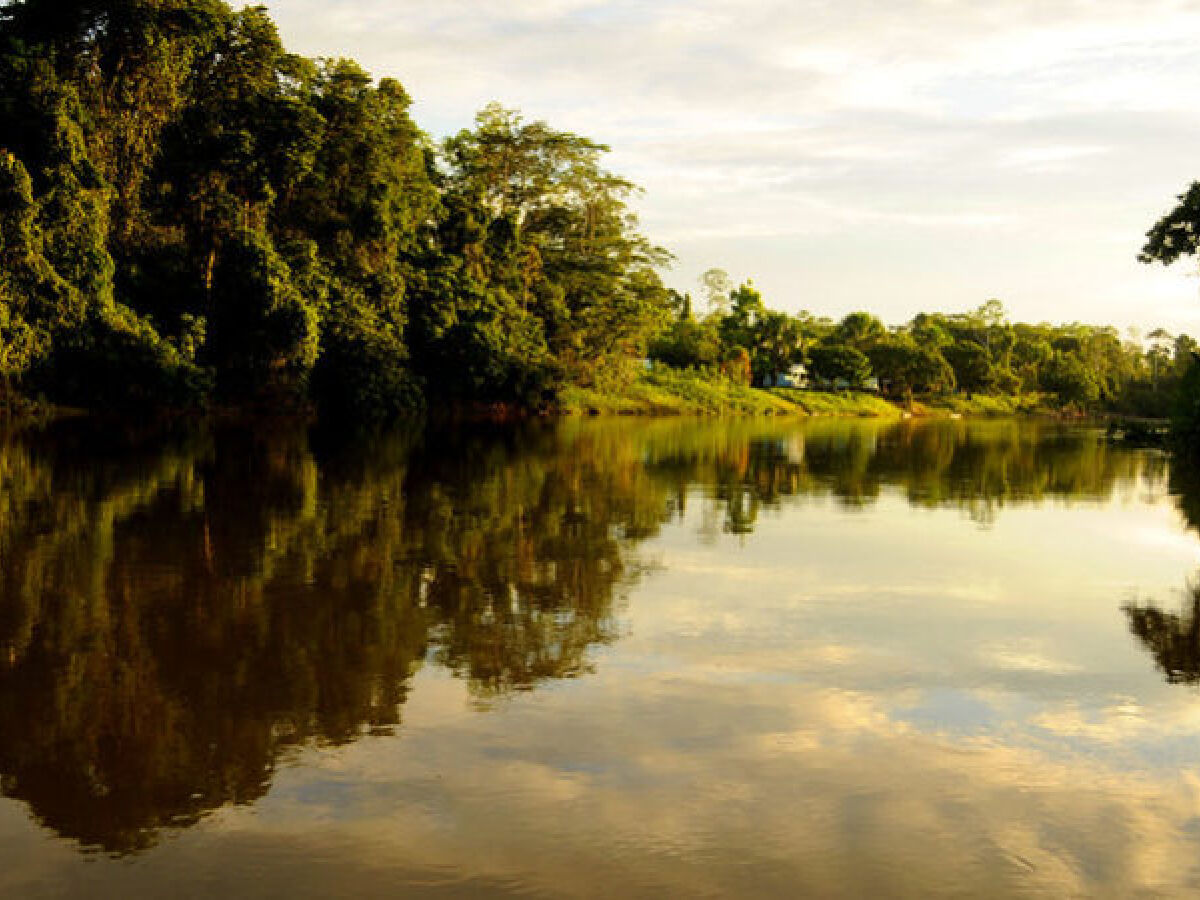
1123, 720
1025, 655
780, 791
883, 702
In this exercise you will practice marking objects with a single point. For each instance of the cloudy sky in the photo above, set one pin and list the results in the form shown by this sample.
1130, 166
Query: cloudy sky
896, 155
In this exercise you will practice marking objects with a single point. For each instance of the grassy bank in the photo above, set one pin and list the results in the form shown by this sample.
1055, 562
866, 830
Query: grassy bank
844, 403
979, 406
664, 392
667, 392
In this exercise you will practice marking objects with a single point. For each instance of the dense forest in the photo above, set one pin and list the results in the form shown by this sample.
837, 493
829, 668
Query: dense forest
191, 212
192, 216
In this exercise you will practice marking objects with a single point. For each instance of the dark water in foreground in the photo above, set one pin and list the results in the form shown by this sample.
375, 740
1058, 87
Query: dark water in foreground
599, 659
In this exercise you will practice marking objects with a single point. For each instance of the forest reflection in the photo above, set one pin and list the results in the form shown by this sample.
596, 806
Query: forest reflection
180, 611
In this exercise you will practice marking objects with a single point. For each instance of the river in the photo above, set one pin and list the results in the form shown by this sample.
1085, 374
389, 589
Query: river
597, 658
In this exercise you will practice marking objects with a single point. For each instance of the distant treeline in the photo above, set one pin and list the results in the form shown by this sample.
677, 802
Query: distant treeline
1086, 367
190, 215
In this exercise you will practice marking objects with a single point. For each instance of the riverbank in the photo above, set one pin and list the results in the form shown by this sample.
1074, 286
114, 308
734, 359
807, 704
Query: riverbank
666, 392
660, 392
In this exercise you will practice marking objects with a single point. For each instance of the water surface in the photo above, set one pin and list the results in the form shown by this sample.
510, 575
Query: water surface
598, 658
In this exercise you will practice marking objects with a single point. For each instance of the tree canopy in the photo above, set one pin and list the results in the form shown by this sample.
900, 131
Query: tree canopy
192, 213
1083, 367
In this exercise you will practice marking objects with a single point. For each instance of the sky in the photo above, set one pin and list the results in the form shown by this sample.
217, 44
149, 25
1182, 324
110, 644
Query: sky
891, 155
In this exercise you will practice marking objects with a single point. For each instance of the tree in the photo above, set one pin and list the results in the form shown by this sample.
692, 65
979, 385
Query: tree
1185, 416
1184, 352
973, 371
930, 331
831, 361
687, 344
717, 286
187, 207
264, 334
860, 330
1031, 351
1071, 380
991, 313
906, 368
778, 343
1159, 354
586, 272
1177, 233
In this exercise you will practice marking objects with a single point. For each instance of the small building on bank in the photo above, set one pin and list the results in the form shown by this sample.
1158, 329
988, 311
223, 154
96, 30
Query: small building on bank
795, 377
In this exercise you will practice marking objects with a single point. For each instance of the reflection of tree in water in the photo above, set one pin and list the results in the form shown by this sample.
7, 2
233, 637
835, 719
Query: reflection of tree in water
1185, 486
179, 625
1173, 638
979, 467
176, 615
519, 563
172, 622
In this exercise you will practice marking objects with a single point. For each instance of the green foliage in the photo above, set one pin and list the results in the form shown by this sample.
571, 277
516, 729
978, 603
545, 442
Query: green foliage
362, 374
777, 344
1185, 418
688, 344
1177, 233
117, 360
495, 352
832, 361
1072, 381
856, 404
20, 343
984, 406
741, 337
859, 330
175, 183
263, 333
971, 363
909, 368
972, 366
530, 210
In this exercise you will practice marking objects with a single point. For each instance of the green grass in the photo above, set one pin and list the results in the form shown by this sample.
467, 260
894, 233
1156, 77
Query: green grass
980, 406
844, 403
672, 392
666, 392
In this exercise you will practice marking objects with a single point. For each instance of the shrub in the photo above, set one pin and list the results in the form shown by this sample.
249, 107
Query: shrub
117, 360
362, 373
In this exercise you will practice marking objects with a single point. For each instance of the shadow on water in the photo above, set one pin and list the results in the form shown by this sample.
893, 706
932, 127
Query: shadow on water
180, 612
1173, 637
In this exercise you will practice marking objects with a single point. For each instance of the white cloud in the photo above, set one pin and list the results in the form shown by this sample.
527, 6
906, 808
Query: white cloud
759, 127
1054, 157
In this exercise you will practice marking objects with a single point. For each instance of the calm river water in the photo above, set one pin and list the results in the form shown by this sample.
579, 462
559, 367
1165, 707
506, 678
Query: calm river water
599, 658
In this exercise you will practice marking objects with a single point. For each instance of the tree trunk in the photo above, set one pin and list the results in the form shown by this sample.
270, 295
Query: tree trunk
209, 268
